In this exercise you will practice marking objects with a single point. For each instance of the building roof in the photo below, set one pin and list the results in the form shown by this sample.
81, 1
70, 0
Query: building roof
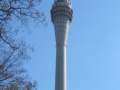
61, 0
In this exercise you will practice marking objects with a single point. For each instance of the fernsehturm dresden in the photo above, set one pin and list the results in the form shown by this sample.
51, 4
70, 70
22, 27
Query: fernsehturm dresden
61, 16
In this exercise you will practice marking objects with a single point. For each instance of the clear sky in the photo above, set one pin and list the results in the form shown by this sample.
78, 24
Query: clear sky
93, 49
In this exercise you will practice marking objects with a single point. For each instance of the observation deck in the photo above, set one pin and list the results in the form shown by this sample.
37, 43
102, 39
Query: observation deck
61, 8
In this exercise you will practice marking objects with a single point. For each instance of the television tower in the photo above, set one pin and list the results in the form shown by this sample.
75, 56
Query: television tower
61, 16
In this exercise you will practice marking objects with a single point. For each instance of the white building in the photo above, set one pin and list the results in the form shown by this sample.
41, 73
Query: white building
61, 16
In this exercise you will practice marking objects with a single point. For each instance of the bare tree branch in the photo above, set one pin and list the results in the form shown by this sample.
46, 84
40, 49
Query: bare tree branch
14, 52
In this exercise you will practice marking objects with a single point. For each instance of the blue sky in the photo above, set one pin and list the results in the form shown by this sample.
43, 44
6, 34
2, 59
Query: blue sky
93, 50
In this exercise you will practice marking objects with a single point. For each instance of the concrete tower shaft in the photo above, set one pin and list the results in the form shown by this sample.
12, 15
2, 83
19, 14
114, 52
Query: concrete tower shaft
61, 16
